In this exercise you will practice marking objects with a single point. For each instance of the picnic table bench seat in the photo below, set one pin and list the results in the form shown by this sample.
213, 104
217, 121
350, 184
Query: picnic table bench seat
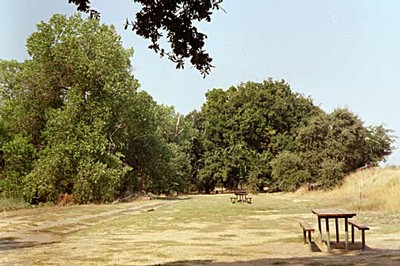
360, 227
307, 229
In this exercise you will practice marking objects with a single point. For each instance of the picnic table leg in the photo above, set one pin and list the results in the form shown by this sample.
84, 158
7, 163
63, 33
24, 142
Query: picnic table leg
320, 230
328, 239
352, 233
337, 230
309, 241
346, 230
363, 239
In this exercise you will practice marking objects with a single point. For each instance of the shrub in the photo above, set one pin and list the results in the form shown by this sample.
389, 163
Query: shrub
18, 155
287, 172
96, 182
331, 173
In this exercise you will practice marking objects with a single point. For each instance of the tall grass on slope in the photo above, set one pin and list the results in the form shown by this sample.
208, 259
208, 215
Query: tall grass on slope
12, 203
375, 189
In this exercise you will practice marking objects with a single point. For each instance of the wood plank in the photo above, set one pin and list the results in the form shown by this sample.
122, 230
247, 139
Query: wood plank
333, 213
306, 226
359, 226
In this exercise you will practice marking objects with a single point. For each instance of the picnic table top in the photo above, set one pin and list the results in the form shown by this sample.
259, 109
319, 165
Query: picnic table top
240, 192
333, 213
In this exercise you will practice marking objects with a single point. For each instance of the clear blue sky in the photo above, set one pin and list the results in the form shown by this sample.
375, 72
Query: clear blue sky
341, 53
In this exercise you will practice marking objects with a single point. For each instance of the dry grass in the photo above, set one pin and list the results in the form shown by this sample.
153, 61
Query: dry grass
205, 229
12, 203
374, 189
200, 230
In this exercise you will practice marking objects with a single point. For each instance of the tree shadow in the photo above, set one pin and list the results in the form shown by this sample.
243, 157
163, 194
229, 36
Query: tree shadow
186, 262
339, 247
366, 257
173, 198
10, 243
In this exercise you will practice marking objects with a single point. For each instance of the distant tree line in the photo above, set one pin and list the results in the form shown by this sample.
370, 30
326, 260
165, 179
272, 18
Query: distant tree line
264, 134
73, 120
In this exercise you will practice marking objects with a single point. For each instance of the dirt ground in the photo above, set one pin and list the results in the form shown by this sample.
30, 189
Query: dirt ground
169, 232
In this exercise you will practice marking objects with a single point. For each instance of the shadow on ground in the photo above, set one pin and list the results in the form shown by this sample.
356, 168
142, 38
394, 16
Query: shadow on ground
172, 198
338, 247
367, 257
9, 243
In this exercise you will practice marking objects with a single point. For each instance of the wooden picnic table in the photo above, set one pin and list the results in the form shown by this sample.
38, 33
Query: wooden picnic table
241, 195
333, 214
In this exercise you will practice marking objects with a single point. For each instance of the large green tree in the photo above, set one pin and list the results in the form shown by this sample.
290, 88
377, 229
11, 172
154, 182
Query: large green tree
248, 125
74, 122
73, 87
335, 144
329, 147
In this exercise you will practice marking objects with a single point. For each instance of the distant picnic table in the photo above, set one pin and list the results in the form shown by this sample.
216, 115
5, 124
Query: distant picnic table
241, 196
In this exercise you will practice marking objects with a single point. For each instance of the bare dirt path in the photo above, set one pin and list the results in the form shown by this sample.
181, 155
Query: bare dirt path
24, 231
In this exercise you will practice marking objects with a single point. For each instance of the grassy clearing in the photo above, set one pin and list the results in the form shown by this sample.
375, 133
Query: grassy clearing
197, 228
200, 230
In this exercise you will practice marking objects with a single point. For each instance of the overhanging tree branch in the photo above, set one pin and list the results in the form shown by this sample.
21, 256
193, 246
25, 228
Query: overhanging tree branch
175, 19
